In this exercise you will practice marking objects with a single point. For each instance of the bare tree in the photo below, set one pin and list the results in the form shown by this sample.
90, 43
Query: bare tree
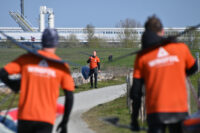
195, 41
192, 39
93, 41
128, 23
90, 32
128, 38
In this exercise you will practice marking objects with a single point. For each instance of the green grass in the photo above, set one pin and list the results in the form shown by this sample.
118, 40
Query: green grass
80, 88
116, 108
74, 55
194, 79
9, 54
115, 81
86, 87
9, 103
119, 109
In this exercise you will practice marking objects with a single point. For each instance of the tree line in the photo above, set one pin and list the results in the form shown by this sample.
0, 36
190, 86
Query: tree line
128, 39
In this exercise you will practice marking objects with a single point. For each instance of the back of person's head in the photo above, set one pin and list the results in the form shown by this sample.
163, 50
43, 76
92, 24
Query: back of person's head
153, 24
153, 32
50, 38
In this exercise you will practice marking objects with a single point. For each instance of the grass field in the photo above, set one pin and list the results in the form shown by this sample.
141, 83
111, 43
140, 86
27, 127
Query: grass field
115, 108
115, 81
9, 54
73, 55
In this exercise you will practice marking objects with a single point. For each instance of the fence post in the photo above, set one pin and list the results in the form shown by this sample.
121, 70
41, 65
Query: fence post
198, 88
197, 57
189, 96
129, 84
142, 111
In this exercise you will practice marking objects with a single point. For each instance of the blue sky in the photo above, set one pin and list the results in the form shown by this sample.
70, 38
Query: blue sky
105, 13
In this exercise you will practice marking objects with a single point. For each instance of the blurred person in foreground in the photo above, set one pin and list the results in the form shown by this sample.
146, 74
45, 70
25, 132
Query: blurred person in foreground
163, 70
39, 87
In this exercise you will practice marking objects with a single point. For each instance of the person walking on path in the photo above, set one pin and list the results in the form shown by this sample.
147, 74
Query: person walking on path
39, 87
163, 70
94, 68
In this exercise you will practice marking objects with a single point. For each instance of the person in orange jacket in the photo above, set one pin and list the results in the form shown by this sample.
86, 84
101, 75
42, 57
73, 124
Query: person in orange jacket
94, 68
39, 87
163, 70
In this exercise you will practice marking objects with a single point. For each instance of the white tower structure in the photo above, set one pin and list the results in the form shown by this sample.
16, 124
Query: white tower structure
44, 10
42, 18
51, 20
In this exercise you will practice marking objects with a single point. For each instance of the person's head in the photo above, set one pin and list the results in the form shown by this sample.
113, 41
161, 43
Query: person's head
154, 24
50, 39
94, 53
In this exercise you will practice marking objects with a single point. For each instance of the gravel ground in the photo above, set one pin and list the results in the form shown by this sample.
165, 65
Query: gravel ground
86, 100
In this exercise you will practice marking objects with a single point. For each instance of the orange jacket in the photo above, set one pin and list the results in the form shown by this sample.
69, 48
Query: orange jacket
163, 70
93, 62
40, 85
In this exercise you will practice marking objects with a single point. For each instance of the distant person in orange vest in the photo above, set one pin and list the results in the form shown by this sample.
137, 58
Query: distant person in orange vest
163, 71
94, 68
39, 89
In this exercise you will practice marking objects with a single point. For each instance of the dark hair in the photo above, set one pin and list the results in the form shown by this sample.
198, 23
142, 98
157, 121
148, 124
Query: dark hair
154, 24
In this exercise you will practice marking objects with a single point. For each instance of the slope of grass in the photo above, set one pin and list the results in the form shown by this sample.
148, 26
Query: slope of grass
116, 108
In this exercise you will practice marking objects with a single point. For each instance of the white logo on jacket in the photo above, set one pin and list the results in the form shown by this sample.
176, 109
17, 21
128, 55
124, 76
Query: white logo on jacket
43, 63
163, 58
42, 71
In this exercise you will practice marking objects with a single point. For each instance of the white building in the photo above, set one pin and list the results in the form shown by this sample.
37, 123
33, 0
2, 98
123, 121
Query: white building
109, 34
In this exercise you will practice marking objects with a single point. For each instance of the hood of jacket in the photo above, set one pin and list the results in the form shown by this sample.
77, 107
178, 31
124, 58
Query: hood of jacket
150, 39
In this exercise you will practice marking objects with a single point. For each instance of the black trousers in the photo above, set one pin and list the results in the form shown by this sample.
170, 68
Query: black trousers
159, 122
34, 127
95, 73
161, 128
